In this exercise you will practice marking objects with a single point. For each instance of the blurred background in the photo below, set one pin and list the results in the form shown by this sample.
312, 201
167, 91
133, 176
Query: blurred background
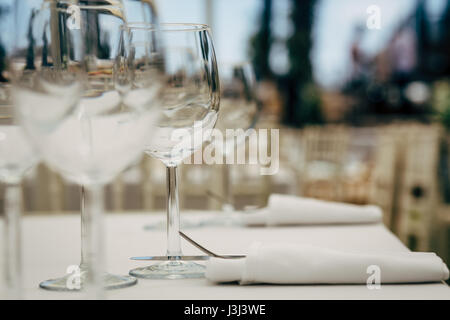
360, 91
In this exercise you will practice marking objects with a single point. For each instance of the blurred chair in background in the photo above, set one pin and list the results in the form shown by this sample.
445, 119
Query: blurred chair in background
419, 193
153, 185
324, 152
359, 164
45, 190
286, 180
385, 178
195, 182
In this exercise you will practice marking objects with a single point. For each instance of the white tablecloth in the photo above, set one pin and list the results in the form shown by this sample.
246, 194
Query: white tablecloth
52, 243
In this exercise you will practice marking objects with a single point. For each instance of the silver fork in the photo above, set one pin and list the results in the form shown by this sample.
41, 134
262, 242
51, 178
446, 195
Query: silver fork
191, 258
209, 252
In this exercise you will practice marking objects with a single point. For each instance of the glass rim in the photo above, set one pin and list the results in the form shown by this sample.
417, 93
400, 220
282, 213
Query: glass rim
166, 27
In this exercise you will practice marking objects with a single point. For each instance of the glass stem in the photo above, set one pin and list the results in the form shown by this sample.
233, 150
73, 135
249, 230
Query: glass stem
226, 180
92, 251
84, 238
173, 215
13, 261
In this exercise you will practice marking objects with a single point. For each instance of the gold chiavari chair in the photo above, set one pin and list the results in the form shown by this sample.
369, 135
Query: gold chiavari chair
419, 194
385, 178
290, 157
324, 152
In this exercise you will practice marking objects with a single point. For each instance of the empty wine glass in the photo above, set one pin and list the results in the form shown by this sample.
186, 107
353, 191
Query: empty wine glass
190, 102
133, 10
239, 112
88, 106
17, 154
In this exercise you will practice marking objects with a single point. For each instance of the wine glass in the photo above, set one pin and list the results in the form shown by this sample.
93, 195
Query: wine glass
88, 109
238, 112
133, 10
190, 102
139, 10
17, 155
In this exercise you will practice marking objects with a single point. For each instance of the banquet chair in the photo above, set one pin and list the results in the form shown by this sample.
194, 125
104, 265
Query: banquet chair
356, 185
286, 179
141, 187
153, 184
247, 186
44, 191
324, 151
251, 188
194, 183
359, 165
419, 193
385, 178
443, 232
127, 191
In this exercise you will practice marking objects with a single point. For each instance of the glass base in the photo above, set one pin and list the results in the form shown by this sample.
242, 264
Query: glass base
65, 283
170, 270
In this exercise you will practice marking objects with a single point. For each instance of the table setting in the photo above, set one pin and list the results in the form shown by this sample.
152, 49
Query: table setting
89, 92
125, 237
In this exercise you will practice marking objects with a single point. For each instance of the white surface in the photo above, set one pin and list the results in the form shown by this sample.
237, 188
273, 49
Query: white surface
52, 243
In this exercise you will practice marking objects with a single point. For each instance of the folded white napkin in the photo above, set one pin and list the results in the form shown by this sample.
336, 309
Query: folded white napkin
284, 263
287, 209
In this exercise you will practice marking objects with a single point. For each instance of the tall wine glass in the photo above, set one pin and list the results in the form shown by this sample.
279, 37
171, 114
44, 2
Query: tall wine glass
190, 102
238, 112
132, 10
86, 112
17, 155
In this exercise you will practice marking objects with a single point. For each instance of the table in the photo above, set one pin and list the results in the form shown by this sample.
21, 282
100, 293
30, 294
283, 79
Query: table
52, 243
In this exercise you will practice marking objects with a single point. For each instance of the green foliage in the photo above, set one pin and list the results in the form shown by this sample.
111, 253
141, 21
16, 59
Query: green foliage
310, 112
445, 118
300, 96
300, 43
441, 102
260, 44
307, 110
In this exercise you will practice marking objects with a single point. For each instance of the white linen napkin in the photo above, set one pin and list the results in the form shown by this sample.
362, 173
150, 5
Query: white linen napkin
291, 210
284, 263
